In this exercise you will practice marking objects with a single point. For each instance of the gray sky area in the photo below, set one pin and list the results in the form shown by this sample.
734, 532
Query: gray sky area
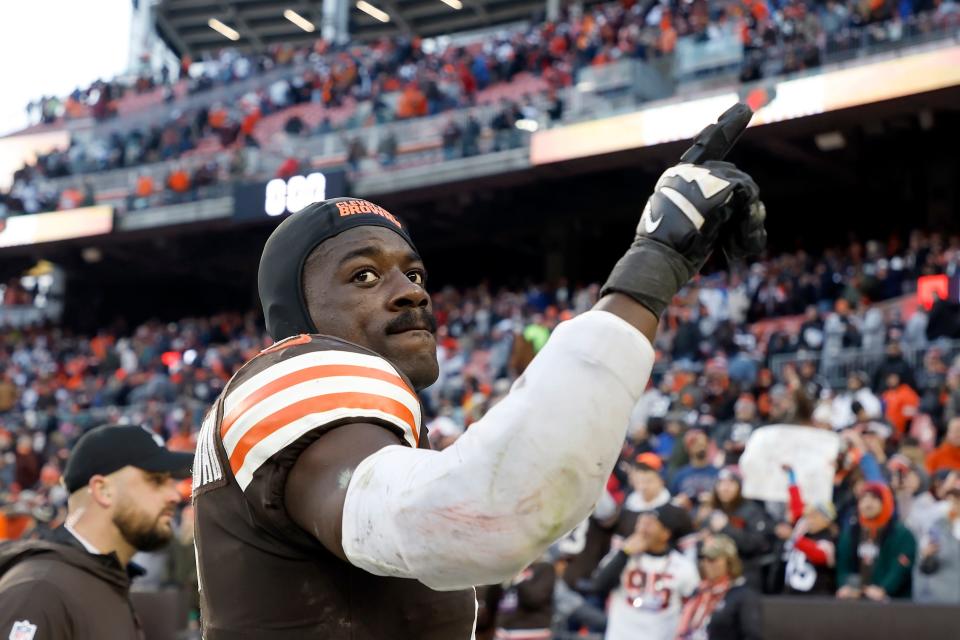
50, 47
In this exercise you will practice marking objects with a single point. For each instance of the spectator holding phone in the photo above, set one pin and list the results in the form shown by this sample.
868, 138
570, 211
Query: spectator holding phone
937, 572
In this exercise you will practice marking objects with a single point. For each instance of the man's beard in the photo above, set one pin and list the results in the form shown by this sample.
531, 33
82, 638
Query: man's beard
140, 531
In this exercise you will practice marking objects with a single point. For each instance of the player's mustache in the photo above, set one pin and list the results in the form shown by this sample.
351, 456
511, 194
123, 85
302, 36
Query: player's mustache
413, 319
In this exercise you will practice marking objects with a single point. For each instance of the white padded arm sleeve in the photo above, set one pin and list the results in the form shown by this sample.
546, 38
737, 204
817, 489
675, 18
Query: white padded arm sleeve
518, 479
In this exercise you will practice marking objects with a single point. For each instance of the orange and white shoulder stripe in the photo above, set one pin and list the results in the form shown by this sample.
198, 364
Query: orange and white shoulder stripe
280, 404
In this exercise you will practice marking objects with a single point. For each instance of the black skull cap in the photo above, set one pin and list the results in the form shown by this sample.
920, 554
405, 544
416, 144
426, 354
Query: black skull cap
280, 276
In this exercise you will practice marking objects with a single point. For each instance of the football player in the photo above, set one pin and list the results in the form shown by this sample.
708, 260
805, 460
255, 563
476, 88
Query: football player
320, 510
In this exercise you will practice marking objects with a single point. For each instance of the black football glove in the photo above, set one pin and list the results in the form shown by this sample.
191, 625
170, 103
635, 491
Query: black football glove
694, 207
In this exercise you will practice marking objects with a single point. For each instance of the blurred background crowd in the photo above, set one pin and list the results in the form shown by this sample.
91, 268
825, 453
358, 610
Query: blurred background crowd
833, 342
836, 341
496, 89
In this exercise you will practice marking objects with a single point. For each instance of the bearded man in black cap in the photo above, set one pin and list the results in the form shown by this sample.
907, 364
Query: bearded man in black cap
320, 510
75, 585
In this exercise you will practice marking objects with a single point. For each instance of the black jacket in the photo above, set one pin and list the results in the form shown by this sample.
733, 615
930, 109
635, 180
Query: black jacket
750, 529
65, 592
738, 617
897, 365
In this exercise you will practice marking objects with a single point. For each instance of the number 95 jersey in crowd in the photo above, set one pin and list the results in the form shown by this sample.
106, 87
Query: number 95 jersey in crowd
647, 602
261, 576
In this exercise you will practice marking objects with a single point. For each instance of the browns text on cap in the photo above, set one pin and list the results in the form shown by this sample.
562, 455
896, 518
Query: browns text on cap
280, 275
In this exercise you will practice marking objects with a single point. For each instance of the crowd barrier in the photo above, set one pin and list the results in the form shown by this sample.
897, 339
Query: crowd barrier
797, 618
784, 618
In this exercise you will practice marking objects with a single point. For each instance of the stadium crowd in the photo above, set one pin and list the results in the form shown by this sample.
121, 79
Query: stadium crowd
441, 75
892, 529
403, 78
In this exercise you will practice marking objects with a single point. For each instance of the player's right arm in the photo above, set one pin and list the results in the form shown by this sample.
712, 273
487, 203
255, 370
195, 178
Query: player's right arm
534, 466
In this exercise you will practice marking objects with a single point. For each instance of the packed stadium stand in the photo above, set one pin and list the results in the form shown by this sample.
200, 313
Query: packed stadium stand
519, 141
332, 103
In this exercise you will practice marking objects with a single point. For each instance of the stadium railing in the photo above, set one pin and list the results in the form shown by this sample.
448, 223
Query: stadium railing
716, 55
429, 174
838, 52
835, 367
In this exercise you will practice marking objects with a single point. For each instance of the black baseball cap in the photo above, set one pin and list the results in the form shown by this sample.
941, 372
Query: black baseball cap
106, 449
675, 520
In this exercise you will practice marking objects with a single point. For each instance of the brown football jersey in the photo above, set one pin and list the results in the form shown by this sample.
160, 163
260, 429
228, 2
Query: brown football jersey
262, 576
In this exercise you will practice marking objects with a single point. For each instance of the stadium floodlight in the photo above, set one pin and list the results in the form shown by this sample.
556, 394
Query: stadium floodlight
453, 4
227, 32
299, 20
371, 10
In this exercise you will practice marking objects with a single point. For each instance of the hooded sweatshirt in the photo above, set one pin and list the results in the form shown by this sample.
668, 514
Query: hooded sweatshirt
878, 551
56, 590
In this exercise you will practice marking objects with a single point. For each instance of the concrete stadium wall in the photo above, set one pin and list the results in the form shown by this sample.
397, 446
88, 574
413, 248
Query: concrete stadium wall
784, 618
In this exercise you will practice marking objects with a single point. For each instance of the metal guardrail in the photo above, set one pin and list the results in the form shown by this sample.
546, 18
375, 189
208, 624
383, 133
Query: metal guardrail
834, 368
693, 56
876, 38
916, 33
457, 169
212, 203
407, 132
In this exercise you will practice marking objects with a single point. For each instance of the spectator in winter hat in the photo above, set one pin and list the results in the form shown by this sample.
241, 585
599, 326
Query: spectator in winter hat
876, 551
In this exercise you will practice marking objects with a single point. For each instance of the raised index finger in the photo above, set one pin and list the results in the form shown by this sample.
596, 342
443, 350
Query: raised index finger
716, 140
